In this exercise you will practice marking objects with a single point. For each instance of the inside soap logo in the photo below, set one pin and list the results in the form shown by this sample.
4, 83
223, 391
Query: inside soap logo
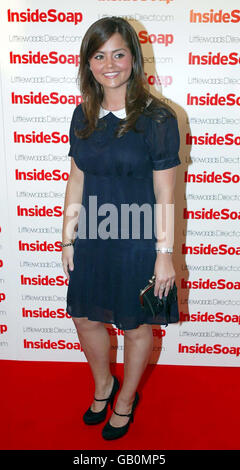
215, 16
51, 16
164, 39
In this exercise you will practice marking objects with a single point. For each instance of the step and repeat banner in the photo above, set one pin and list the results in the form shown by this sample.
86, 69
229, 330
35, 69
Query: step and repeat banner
192, 59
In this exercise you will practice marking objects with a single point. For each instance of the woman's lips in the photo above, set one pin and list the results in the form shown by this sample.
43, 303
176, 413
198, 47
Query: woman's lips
111, 74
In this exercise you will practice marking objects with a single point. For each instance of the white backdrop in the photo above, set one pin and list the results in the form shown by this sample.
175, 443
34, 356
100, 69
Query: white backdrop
191, 55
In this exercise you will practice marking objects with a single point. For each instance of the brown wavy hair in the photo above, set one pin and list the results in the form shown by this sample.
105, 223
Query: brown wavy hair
137, 94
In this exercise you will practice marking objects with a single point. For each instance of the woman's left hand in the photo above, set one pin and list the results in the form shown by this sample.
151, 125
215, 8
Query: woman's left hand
165, 274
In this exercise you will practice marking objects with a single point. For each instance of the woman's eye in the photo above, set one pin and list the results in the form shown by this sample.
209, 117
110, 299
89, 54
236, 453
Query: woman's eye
117, 56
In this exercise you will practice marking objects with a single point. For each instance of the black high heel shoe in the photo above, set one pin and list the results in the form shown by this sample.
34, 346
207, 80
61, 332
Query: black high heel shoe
111, 432
91, 417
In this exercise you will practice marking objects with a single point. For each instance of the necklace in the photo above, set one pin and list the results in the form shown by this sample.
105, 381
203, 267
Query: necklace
122, 107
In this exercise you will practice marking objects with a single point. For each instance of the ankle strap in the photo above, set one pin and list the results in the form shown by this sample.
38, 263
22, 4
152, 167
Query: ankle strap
101, 399
121, 414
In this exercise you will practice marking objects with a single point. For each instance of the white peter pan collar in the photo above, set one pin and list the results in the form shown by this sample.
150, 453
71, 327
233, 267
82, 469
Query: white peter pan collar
120, 113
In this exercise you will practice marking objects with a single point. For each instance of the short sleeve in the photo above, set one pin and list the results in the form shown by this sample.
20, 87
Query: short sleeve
73, 125
163, 141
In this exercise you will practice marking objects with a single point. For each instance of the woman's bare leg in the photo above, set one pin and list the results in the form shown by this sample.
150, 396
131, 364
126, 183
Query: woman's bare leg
138, 344
95, 341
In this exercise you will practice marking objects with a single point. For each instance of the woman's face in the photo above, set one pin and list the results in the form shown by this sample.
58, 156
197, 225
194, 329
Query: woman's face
111, 65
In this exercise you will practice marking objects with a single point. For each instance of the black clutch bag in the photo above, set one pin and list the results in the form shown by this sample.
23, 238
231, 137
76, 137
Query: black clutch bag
164, 310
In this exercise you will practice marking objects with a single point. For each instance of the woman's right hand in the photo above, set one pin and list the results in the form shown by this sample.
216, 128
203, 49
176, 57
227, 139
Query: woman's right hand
67, 259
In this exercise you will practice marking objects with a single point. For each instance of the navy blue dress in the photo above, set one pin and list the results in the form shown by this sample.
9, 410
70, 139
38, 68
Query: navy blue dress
114, 255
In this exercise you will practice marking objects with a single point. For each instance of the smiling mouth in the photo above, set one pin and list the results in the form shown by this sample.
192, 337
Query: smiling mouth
111, 74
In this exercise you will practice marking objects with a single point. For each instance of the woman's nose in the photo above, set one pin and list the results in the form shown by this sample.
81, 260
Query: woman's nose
109, 61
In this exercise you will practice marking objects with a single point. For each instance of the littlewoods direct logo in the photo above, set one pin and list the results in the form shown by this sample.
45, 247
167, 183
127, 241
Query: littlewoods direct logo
108, 227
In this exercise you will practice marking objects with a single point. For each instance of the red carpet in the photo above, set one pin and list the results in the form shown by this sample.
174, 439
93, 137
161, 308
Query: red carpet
181, 407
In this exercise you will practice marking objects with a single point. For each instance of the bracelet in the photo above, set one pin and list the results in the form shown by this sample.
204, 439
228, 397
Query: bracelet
67, 244
164, 250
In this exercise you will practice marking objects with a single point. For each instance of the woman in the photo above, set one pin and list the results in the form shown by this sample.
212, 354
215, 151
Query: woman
124, 146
